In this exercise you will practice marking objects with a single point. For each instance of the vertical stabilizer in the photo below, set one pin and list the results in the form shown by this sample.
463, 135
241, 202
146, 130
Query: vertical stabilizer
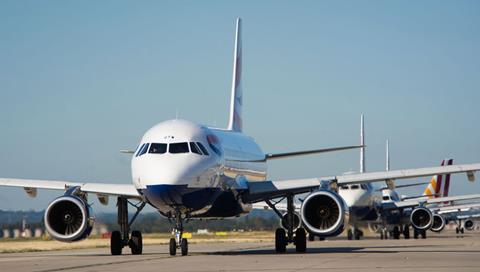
235, 121
434, 188
387, 157
362, 143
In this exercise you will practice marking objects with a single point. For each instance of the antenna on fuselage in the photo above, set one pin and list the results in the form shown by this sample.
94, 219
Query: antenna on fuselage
362, 143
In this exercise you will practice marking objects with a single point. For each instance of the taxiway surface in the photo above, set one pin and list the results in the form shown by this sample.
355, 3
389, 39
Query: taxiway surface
442, 253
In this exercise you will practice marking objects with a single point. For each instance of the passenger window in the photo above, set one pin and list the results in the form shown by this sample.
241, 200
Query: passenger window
157, 148
178, 148
194, 149
204, 150
143, 150
354, 187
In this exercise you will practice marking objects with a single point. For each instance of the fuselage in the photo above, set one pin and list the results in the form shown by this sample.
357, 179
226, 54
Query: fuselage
182, 165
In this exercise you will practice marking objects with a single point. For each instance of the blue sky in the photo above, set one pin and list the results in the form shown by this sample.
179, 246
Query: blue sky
80, 80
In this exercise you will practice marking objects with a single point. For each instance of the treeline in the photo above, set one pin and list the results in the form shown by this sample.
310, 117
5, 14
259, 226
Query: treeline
153, 222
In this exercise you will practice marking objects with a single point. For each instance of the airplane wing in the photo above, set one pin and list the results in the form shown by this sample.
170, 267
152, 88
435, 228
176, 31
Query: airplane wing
31, 186
271, 156
427, 201
261, 190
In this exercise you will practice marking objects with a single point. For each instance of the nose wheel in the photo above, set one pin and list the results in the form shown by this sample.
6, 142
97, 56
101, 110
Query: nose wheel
178, 242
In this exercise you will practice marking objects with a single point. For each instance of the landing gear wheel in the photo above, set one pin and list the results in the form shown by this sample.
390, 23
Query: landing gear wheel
173, 247
300, 240
184, 247
462, 230
457, 230
349, 234
311, 237
424, 234
415, 233
321, 238
116, 243
357, 234
136, 244
396, 233
406, 232
280, 240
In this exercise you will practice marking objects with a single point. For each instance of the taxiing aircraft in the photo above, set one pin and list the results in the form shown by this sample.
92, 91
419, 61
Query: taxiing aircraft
186, 170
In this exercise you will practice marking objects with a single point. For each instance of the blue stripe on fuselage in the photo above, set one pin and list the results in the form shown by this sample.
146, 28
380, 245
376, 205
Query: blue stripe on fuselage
166, 197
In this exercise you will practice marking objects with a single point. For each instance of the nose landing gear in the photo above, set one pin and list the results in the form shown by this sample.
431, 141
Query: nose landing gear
178, 242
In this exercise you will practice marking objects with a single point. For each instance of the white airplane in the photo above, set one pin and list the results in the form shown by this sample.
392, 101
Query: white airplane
187, 170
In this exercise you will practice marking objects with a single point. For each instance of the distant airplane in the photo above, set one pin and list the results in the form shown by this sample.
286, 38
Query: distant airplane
187, 170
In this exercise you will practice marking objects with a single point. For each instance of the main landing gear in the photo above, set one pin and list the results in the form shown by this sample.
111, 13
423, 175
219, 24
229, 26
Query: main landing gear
417, 232
178, 242
122, 238
284, 237
354, 234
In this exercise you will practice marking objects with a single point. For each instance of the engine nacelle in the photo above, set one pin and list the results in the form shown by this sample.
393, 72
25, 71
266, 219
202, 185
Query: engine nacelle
421, 218
324, 213
438, 223
68, 219
469, 224
297, 222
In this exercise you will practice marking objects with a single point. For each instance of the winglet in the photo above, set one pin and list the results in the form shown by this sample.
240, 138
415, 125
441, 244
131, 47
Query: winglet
236, 100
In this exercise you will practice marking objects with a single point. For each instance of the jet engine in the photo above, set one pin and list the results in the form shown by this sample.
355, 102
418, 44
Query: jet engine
469, 224
68, 219
324, 213
421, 218
297, 222
438, 223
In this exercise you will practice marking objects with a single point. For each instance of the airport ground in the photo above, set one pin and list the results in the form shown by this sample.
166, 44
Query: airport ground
445, 252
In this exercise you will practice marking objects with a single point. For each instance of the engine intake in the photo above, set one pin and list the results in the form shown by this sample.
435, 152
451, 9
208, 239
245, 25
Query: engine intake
421, 218
68, 219
438, 223
297, 222
324, 213
469, 224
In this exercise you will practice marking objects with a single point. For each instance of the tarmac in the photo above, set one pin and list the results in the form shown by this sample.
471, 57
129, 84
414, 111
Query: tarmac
439, 253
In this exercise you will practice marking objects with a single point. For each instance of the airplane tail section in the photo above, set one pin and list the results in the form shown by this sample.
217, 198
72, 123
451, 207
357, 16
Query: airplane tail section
362, 143
434, 188
235, 121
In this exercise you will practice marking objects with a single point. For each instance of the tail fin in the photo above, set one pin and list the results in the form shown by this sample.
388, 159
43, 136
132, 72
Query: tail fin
362, 143
434, 188
235, 121
387, 156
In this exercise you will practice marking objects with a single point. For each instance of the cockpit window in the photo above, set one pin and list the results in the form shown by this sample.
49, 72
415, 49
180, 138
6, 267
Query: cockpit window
344, 187
204, 150
214, 144
178, 148
195, 149
386, 197
139, 149
363, 186
354, 187
157, 148
143, 150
